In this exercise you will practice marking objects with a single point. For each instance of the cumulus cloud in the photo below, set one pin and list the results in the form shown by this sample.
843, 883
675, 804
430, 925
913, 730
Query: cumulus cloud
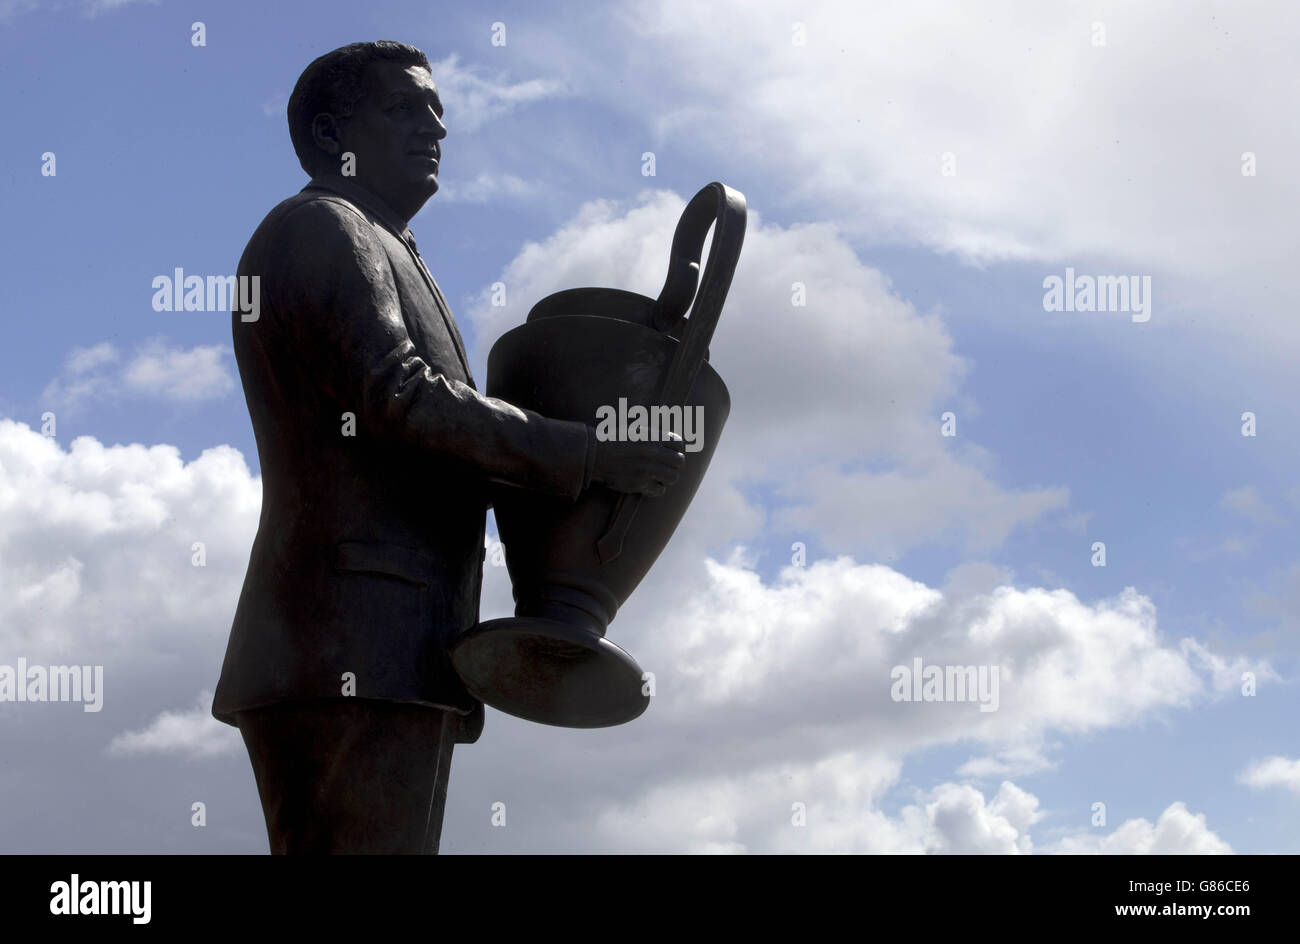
856, 377
98, 552
828, 635
961, 821
97, 544
833, 807
192, 733
768, 691
771, 693
1178, 831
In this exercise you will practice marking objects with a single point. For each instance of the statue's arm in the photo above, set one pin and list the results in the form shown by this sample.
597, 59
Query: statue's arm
332, 293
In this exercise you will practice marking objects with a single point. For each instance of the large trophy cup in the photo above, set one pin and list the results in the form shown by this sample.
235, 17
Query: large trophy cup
572, 564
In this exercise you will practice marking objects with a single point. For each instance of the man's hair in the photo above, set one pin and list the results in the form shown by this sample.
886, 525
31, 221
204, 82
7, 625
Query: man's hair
334, 84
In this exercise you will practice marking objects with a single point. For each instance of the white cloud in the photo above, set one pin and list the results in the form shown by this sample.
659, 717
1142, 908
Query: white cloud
155, 370
1016, 761
1122, 159
756, 811
1226, 674
86, 359
87, 375
192, 733
891, 512
833, 807
826, 637
96, 547
767, 694
485, 187
472, 100
198, 373
856, 377
97, 568
962, 822
1178, 831
1273, 771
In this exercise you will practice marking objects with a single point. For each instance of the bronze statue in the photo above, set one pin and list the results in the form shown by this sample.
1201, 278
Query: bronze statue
377, 457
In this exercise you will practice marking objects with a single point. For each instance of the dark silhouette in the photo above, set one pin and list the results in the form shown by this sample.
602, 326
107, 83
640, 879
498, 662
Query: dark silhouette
376, 455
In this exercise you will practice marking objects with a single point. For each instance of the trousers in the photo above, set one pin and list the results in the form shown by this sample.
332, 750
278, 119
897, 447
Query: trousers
349, 775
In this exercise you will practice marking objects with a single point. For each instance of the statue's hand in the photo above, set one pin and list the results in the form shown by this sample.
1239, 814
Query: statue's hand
641, 468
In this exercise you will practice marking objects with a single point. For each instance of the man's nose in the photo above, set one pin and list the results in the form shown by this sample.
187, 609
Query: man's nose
430, 123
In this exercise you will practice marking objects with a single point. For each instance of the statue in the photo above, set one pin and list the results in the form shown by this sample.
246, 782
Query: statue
378, 459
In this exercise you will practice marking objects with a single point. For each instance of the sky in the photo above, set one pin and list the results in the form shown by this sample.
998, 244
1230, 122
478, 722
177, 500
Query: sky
921, 461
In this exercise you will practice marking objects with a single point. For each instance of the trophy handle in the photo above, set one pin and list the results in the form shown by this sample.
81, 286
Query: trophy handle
724, 209
714, 203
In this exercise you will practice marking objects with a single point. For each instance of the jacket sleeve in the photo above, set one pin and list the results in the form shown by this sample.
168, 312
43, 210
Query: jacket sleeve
332, 292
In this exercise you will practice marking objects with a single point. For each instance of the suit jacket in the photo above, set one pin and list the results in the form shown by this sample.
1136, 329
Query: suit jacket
369, 551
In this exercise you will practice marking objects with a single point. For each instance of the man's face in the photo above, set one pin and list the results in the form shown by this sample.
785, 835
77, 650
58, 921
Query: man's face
394, 132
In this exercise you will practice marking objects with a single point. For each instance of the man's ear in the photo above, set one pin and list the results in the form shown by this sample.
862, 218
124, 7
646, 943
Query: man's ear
325, 133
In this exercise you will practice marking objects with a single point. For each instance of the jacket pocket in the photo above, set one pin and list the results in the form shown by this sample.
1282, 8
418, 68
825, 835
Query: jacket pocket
378, 622
391, 560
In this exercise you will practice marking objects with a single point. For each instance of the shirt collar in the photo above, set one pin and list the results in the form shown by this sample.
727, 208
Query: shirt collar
363, 198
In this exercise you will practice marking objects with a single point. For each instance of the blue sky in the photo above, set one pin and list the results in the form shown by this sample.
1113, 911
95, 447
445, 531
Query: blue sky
925, 295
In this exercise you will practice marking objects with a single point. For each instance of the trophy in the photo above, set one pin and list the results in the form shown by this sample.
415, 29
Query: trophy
636, 365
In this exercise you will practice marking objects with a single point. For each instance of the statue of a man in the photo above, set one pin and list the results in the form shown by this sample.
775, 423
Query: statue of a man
376, 455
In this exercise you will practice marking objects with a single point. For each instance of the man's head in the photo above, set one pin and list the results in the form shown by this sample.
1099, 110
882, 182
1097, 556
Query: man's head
378, 102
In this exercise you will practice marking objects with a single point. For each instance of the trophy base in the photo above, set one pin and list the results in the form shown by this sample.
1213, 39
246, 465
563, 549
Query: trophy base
550, 672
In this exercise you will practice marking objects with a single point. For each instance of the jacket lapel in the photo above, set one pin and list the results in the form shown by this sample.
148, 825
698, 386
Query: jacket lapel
445, 311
